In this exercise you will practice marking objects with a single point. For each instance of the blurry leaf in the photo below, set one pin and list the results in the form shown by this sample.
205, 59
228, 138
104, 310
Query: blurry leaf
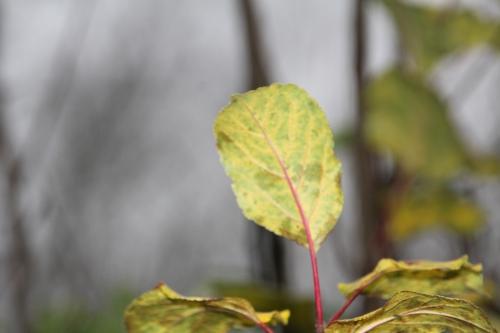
275, 140
409, 120
264, 299
162, 310
494, 318
416, 211
414, 312
449, 278
429, 34
345, 138
488, 165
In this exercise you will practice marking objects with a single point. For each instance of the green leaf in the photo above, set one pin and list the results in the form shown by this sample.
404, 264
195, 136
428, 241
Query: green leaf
429, 34
449, 278
410, 121
419, 210
414, 312
162, 310
277, 148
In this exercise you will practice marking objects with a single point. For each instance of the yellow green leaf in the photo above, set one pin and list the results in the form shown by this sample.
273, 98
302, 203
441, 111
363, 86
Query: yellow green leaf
408, 120
417, 211
485, 165
415, 312
429, 34
162, 310
265, 298
277, 148
449, 278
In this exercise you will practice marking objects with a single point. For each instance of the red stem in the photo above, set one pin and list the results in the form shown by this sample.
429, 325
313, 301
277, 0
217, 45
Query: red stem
347, 303
265, 328
351, 299
312, 252
305, 223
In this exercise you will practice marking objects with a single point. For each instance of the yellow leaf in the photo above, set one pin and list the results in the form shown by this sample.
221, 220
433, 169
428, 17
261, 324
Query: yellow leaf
277, 148
449, 278
414, 313
162, 310
421, 210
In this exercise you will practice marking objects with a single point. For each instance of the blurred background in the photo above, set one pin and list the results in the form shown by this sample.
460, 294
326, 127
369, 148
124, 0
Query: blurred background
110, 180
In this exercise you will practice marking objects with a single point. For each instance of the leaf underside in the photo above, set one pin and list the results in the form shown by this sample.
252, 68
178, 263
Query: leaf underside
411, 312
449, 278
162, 310
274, 141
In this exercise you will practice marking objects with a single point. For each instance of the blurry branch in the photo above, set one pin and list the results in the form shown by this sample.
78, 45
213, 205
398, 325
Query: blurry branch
19, 261
258, 73
370, 221
48, 120
364, 160
271, 267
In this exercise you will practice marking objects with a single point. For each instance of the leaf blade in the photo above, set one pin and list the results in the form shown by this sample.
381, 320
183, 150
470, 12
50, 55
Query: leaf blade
427, 208
162, 310
415, 312
277, 148
450, 278
410, 121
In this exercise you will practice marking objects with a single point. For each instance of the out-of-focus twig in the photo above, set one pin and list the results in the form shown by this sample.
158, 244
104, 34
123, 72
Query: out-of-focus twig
19, 261
270, 258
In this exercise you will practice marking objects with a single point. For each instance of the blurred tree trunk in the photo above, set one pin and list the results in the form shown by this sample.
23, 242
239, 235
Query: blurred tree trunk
268, 248
18, 261
19, 266
366, 174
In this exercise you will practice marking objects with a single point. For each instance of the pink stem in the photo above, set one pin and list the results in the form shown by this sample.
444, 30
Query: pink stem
312, 253
344, 307
265, 328
305, 223
351, 299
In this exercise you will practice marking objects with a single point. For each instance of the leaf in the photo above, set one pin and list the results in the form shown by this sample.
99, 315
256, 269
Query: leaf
265, 298
449, 278
417, 210
485, 165
414, 312
162, 310
410, 121
429, 34
275, 142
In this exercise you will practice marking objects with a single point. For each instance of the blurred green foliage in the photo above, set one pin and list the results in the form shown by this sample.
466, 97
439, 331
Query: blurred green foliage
429, 34
78, 318
432, 207
409, 121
